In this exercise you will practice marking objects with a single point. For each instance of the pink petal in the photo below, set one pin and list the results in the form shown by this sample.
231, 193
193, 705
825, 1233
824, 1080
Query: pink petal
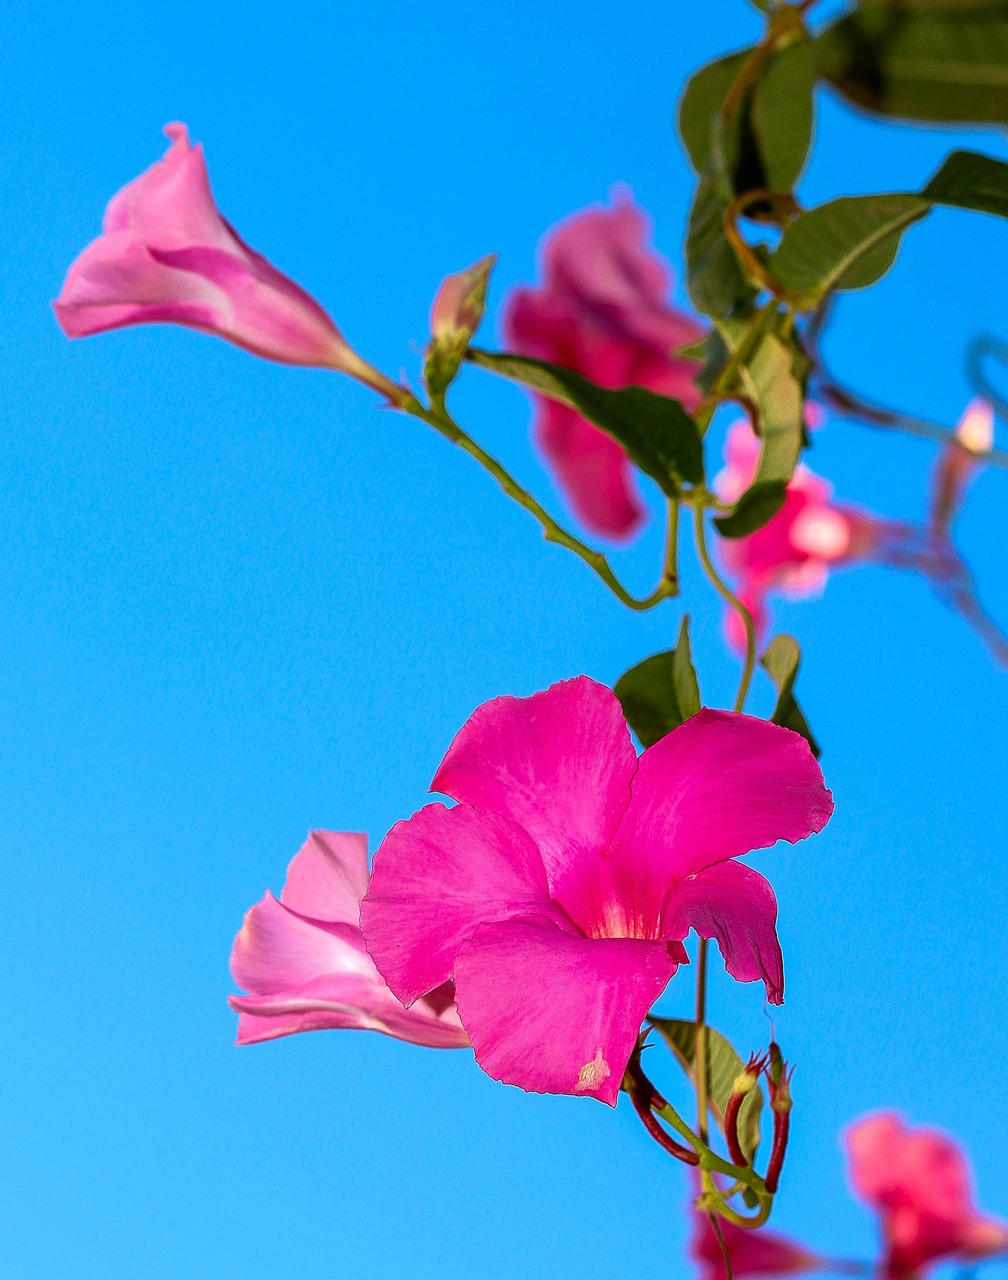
736, 906
278, 950
752, 1253
593, 471
437, 877
558, 763
328, 876
713, 789
346, 1003
553, 1012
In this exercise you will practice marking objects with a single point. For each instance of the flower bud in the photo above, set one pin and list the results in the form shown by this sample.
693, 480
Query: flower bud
779, 1084
958, 463
455, 316
742, 1087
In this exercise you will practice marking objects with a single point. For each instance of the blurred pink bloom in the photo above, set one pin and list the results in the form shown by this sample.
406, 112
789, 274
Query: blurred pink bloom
303, 958
958, 463
603, 311
752, 1253
919, 1184
166, 254
557, 892
794, 552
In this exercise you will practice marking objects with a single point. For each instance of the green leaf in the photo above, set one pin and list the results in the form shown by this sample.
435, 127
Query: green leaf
714, 278
781, 662
936, 60
723, 1065
846, 244
783, 114
656, 431
658, 694
770, 380
700, 106
968, 180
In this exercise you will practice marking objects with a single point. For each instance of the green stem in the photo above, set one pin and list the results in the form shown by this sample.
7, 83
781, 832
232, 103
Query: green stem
758, 324
730, 598
700, 1043
668, 584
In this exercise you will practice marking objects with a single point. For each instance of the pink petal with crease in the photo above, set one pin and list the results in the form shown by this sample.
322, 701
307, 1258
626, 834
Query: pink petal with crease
736, 906
437, 878
553, 1012
559, 763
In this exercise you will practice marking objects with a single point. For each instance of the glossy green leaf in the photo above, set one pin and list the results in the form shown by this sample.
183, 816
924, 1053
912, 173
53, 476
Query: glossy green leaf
770, 380
781, 661
922, 60
656, 431
723, 1065
658, 694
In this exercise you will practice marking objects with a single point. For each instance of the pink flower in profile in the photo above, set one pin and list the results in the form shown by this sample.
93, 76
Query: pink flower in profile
795, 550
959, 463
166, 254
918, 1182
303, 961
752, 1253
556, 893
603, 311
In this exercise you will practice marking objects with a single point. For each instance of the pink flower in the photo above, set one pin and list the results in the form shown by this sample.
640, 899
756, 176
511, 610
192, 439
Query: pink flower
557, 892
602, 310
304, 962
796, 549
919, 1184
752, 1253
958, 463
166, 254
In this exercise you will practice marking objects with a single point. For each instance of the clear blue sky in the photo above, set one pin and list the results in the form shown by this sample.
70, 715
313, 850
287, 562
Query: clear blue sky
238, 600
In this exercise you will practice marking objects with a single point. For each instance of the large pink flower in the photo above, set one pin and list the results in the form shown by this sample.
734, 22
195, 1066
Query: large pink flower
919, 1184
303, 960
557, 892
603, 311
752, 1253
811, 534
166, 254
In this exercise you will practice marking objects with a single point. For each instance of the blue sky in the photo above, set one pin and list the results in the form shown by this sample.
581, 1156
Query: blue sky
238, 600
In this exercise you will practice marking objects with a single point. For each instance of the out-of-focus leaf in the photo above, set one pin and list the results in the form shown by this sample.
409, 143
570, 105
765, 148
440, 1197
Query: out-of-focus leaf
781, 661
661, 692
846, 244
700, 106
783, 114
714, 279
851, 242
770, 380
656, 431
723, 1065
944, 61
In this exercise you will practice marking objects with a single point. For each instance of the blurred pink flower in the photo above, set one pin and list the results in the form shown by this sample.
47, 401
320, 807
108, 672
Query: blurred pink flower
752, 1253
166, 254
958, 463
794, 552
919, 1184
303, 960
557, 892
603, 311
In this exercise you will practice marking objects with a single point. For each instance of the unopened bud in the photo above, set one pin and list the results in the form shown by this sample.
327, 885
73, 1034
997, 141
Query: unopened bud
958, 462
455, 316
745, 1082
781, 1102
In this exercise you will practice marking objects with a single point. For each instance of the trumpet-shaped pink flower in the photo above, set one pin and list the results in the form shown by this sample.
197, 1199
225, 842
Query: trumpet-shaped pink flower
752, 1253
795, 550
557, 892
959, 463
603, 311
919, 1184
166, 254
303, 960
